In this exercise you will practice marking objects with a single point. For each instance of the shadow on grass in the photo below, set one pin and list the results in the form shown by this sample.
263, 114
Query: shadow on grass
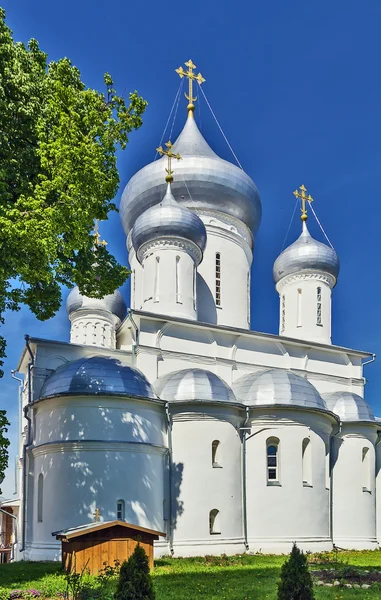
16, 575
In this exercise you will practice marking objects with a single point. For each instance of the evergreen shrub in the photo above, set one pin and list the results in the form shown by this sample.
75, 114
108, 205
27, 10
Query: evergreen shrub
295, 579
135, 581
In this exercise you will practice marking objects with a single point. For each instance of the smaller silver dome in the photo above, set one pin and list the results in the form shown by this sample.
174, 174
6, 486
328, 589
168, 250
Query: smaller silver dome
306, 254
276, 386
96, 375
349, 406
168, 219
113, 303
193, 384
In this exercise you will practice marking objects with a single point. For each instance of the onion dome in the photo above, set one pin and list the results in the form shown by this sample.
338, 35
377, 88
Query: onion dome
349, 406
94, 376
306, 254
276, 386
193, 384
112, 303
168, 219
203, 181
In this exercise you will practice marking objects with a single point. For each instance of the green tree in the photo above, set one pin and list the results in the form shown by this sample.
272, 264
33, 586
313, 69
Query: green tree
58, 143
4, 443
135, 581
295, 579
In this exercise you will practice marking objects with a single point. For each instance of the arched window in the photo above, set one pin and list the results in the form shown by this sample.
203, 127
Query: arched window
366, 487
178, 291
194, 287
248, 296
327, 466
299, 308
40, 493
133, 276
272, 455
283, 316
318, 306
120, 510
306, 462
218, 279
156, 284
215, 454
214, 522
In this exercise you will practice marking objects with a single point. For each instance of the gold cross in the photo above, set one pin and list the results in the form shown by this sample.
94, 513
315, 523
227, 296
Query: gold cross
97, 235
170, 155
304, 198
97, 514
191, 76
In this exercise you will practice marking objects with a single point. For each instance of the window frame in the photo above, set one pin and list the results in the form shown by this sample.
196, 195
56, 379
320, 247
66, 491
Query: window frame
214, 522
218, 279
40, 498
216, 444
319, 312
122, 511
273, 442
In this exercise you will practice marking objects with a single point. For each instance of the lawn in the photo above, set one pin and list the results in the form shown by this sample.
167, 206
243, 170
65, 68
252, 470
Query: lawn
213, 578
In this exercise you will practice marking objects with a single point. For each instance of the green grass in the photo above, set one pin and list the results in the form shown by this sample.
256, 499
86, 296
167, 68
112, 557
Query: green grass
211, 578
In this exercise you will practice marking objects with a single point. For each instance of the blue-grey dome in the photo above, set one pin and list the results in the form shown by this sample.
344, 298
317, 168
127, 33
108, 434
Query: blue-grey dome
193, 384
96, 375
168, 219
277, 386
349, 406
203, 181
306, 254
113, 303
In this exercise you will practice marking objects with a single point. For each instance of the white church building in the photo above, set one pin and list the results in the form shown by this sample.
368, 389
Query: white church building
173, 414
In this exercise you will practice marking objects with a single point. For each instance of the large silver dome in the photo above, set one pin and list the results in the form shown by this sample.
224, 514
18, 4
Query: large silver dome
96, 375
203, 181
306, 254
277, 386
193, 384
168, 219
112, 303
349, 406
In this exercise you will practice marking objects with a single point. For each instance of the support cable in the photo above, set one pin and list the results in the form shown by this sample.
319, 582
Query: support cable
176, 109
289, 225
220, 128
321, 226
170, 114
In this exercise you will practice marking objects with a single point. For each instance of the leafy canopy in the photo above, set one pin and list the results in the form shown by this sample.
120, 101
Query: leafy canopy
58, 143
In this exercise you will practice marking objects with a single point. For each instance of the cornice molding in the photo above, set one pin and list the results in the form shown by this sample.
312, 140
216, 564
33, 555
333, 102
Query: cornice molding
306, 276
96, 446
170, 243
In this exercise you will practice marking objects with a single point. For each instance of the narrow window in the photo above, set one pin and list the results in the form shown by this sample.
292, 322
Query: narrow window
214, 522
299, 308
178, 291
120, 510
365, 470
318, 306
248, 296
40, 492
215, 454
218, 279
133, 287
156, 288
327, 466
194, 287
306, 462
283, 326
272, 460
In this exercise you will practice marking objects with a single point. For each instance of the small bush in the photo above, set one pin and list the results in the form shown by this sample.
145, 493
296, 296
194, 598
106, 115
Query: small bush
134, 579
295, 579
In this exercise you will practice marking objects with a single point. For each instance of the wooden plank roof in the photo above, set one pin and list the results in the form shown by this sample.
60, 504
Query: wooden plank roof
73, 532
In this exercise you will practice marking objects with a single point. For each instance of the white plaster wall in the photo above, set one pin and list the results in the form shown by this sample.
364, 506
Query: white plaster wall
236, 259
81, 477
95, 328
354, 510
378, 492
168, 282
280, 514
300, 297
136, 280
201, 488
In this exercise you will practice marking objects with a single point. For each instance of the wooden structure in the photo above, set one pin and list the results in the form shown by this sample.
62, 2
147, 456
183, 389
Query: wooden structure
91, 546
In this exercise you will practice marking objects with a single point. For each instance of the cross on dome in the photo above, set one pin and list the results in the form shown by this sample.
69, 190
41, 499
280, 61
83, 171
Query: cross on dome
169, 154
304, 198
191, 76
98, 241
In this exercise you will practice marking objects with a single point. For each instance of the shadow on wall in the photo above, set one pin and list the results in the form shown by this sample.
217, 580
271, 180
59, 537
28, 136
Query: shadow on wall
206, 306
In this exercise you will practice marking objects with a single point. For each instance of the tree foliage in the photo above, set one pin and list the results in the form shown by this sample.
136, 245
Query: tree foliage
295, 579
4, 443
135, 581
58, 143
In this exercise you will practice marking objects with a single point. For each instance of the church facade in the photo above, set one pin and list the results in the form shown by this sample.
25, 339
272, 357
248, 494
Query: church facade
173, 414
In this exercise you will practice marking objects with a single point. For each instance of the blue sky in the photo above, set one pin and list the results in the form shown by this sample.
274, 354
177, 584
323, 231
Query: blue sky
296, 87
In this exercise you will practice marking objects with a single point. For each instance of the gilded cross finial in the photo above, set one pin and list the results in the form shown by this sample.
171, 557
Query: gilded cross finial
302, 195
96, 515
98, 241
191, 76
169, 154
